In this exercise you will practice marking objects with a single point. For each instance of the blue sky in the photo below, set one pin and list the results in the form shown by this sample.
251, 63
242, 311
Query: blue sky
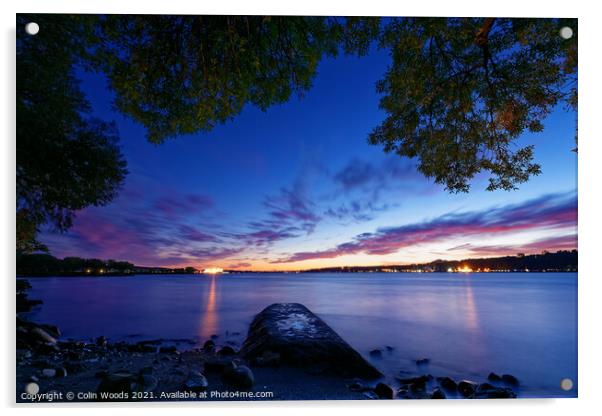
298, 186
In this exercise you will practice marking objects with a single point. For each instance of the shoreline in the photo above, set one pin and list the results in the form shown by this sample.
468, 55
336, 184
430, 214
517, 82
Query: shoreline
102, 370
462, 273
147, 371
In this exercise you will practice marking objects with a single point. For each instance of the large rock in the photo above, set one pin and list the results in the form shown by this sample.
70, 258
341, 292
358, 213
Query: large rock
239, 376
303, 339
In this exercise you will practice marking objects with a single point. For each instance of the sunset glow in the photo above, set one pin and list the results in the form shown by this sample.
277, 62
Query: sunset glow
213, 270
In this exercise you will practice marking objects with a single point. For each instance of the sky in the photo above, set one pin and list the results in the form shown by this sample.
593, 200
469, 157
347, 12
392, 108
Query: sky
299, 187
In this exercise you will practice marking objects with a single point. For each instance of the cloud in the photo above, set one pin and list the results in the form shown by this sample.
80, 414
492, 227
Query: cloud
182, 205
293, 206
149, 228
290, 214
359, 186
356, 210
565, 242
239, 265
358, 174
554, 211
194, 234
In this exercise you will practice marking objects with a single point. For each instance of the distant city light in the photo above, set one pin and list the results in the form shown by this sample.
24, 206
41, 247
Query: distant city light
465, 269
213, 270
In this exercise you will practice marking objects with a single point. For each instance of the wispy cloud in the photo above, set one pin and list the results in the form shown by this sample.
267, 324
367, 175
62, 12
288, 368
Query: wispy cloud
359, 174
149, 228
564, 242
289, 214
554, 211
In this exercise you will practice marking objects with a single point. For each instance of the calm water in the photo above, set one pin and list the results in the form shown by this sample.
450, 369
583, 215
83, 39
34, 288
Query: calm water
523, 324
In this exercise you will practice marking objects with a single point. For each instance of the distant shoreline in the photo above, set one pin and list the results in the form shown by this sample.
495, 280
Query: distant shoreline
34, 276
44, 265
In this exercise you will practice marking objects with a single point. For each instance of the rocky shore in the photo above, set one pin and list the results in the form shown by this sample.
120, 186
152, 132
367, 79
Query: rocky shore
289, 354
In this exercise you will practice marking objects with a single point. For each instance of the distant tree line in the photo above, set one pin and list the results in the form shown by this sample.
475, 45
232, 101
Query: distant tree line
42, 264
563, 260
45, 264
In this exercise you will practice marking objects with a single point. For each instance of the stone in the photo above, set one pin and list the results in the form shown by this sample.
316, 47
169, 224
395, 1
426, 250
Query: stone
384, 391
303, 339
209, 346
268, 359
484, 387
357, 386
389, 348
510, 379
216, 365
75, 355
447, 383
239, 376
53, 330
38, 334
142, 348
438, 394
61, 372
196, 382
494, 377
467, 388
145, 383
422, 361
171, 349
120, 382
370, 395
411, 380
48, 373
101, 341
376, 353
146, 370
74, 366
226, 351
418, 387
497, 393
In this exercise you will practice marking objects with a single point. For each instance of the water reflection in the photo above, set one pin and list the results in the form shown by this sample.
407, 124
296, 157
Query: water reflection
474, 348
209, 314
472, 318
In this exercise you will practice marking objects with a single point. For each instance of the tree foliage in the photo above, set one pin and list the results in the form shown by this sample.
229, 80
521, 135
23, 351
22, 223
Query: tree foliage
184, 74
66, 159
459, 92
45, 264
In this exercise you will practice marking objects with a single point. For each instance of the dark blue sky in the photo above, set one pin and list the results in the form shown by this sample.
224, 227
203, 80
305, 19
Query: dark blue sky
298, 186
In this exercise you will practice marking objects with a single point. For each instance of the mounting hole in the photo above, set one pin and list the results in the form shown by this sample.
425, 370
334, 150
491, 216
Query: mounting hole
32, 28
32, 388
566, 32
566, 384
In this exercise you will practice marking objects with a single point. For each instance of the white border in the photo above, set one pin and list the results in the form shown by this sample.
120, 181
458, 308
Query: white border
590, 209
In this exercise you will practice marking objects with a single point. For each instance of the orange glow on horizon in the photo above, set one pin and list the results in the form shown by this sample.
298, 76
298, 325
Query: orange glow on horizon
213, 270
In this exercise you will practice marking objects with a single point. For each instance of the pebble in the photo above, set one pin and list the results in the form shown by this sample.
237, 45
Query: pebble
438, 394
376, 353
384, 391
467, 388
510, 379
196, 382
48, 372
